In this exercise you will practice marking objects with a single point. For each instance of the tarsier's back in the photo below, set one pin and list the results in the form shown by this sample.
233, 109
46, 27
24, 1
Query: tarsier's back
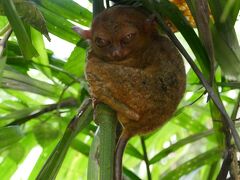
134, 70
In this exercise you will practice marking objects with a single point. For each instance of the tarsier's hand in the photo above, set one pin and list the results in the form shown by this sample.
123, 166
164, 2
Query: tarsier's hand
100, 90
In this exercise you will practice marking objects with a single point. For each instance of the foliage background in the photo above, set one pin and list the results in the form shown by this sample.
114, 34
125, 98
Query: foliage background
40, 95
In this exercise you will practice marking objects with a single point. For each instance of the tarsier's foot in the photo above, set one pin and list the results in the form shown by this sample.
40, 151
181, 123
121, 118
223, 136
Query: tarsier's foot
94, 104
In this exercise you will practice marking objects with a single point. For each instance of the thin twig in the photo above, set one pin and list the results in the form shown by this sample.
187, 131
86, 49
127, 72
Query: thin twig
205, 83
229, 163
3, 41
202, 21
236, 108
232, 85
80, 80
49, 108
62, 94
146, 160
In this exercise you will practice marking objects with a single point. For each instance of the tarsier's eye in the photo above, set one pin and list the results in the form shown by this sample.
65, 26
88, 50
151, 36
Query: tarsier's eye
128, 38
101, 42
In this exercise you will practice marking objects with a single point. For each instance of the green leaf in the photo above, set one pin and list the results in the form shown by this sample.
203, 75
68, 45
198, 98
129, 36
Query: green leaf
225, 56
10, 135
69, 10
206, 158
130, 174
46, 132
131, 150
59, 26
17, 81
24, 41
11, 105
179, 144
2, 65
30, 14
42, 159
75, 64
17, 153
165, 8
38, 43
230, 11
19, 113
54, 162
80, 147
3, 22
192, 125
225, 39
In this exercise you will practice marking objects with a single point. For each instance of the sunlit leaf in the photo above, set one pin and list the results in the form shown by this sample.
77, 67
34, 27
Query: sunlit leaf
38, 43
46, 132
19, 113
69, 10
19, 29
206, 158
54, 162
10, 135
21, 82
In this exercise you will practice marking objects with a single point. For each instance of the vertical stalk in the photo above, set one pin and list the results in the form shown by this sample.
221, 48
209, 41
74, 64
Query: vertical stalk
107, 123
106, 118
146, 158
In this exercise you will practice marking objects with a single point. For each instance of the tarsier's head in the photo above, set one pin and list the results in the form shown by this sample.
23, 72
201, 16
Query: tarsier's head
119, 32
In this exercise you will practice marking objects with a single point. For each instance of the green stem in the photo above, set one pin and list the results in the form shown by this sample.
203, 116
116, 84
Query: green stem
107, 123
146, 158
236, 107
93, 168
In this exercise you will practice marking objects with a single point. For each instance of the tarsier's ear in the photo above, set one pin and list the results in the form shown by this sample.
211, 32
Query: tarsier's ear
85, 34
150, 23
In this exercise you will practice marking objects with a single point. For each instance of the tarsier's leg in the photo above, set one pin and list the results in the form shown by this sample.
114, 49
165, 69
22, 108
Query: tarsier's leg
100, 92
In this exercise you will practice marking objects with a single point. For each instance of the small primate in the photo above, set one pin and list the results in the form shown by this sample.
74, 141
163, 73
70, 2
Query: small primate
135, 70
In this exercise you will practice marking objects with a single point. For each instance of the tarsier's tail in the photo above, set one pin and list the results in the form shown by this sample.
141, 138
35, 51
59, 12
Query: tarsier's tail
122, 142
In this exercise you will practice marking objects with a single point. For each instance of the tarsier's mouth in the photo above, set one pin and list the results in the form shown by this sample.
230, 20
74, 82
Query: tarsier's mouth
117, 59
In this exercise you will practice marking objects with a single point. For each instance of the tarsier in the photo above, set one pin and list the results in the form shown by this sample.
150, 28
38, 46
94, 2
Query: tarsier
133, 69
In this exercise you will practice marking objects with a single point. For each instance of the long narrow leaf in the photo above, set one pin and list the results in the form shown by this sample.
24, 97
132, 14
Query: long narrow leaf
69, 10
59, 26
179, 144
19, 113
18, 27
10, 135
166, 8
206, 158
22, 82
54, 162
38, 43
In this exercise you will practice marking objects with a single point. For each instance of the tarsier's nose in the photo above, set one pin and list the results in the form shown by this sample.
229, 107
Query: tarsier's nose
116, 53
